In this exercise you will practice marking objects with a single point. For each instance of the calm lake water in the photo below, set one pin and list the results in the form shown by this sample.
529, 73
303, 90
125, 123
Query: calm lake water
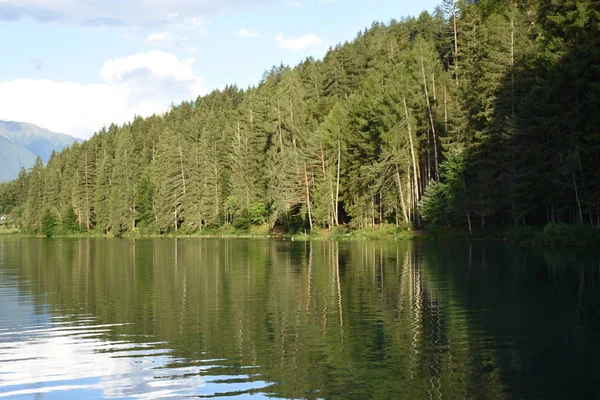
109, 318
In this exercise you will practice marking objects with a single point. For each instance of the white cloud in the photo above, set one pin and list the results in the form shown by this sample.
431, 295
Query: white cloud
245, 33
116, 12
160, 37
293, 4
194, 23
298, 43
157, 63
169, 40
142, 84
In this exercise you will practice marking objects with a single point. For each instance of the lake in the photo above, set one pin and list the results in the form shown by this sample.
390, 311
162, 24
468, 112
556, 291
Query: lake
124, 318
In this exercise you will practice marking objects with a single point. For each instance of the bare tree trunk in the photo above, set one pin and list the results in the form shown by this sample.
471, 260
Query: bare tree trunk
134, 190
331, 194
512, 65
577, 198
469, 221
310, 223
216, 171
414, 158
280, 132
59, 216
411, 192
175, 219
372, 211
455, 45
380, 209
404, 213
181, 163
467, 209
433, 88
337, 184
435, 152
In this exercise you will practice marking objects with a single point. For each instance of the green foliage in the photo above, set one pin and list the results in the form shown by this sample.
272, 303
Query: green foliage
447, 199
482, 113
434, 205
48, 223
242, 222
569, 235
69, 222
258, 213
144, 201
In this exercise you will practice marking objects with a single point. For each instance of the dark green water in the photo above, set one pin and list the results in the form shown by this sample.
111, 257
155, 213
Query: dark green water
97, 318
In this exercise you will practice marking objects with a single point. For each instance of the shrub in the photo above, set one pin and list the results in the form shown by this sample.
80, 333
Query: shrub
48, 223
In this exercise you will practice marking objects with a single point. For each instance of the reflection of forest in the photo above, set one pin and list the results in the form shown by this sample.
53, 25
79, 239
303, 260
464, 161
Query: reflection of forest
348, 320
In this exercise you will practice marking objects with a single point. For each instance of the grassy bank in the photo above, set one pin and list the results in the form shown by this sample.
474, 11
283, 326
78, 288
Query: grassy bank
384, 232
555, 235
380, 232
8, 231
338, 233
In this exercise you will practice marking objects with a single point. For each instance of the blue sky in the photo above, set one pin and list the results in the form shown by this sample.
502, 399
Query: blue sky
73, 66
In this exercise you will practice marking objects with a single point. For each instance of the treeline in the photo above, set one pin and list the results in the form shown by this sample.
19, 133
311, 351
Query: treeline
483, 112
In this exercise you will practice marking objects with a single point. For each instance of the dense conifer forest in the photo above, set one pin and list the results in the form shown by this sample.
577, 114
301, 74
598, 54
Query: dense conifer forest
482, 113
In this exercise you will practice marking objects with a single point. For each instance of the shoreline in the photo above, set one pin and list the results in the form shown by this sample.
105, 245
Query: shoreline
556, 236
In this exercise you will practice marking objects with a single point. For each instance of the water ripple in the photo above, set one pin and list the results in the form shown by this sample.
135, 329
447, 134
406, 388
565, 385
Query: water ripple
40, 359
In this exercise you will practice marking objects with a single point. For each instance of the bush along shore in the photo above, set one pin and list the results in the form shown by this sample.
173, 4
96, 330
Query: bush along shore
551, 235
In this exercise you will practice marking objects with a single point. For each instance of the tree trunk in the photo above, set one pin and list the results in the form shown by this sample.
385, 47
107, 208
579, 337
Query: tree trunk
512, 65
337, 185
577, 198
433, 88
310, 223
414, 159
469, 222
181, 164
435, 152
455, 46
404, 213
411, 192
216, 171
331, 194
280, 132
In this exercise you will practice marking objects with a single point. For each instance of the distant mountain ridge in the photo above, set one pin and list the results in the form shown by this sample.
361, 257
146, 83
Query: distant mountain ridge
21, 143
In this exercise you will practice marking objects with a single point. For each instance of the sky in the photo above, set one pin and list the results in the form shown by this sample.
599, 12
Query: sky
74, 66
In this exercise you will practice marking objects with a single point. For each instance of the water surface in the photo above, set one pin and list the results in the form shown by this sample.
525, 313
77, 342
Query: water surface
119, 318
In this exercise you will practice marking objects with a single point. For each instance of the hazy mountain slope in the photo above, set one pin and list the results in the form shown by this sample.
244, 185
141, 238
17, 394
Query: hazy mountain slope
21, 143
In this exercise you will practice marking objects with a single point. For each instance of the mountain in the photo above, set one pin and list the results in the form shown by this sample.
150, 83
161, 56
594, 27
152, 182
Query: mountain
21, 143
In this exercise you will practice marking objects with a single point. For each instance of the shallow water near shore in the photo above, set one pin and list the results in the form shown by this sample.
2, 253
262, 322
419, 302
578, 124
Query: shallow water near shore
253, 318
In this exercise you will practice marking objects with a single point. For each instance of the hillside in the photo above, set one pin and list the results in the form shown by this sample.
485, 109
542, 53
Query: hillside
21, 143
482, 113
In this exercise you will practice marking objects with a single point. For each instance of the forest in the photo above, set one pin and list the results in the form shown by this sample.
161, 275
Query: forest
482, 113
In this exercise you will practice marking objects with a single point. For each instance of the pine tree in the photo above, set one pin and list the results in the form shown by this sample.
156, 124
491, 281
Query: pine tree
48, 223
124, 179
169, 181
35, 198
